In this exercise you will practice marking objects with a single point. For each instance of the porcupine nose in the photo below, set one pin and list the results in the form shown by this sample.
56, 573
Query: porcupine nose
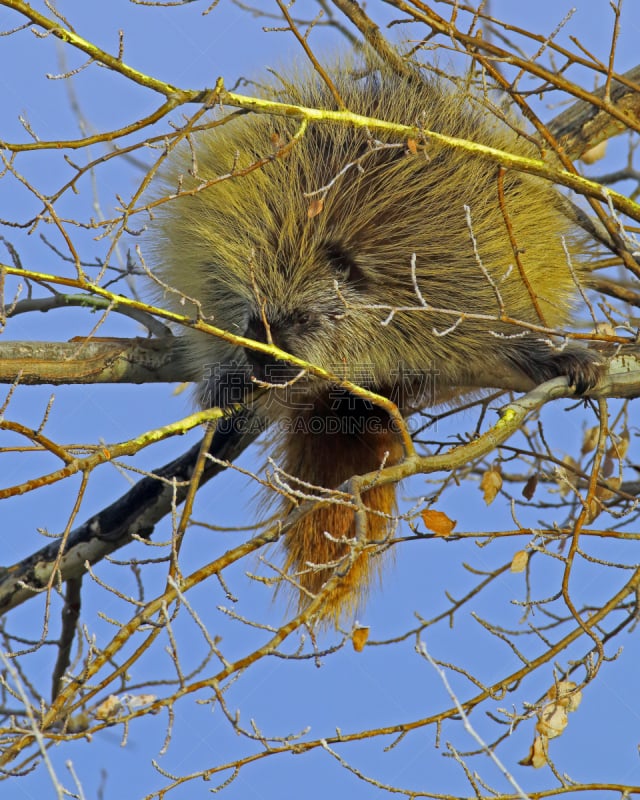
266, 367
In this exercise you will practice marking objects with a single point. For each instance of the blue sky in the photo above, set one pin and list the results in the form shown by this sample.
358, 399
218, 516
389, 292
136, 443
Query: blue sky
384, 685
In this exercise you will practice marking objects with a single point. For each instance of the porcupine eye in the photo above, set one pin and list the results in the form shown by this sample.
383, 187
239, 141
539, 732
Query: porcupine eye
342, 264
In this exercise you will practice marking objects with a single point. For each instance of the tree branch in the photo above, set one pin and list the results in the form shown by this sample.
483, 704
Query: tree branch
92, 361
135, 514
584, 125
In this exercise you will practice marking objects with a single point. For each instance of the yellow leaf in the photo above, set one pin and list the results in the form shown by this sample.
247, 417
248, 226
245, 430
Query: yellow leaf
519, 561
412, 146
359, 639
438, 522
315, 207
491, 484
181, 387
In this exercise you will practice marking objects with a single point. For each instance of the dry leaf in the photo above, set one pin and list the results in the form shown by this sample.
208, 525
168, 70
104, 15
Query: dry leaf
359, 639
619, 449
491, 484
519, 561
608, 492
594, 153
564, 694
109, 709
530, 486
608, 465
552, 720
563, 485
537, 755
315, 207
412, 146
438, 522
139, 700
590, 439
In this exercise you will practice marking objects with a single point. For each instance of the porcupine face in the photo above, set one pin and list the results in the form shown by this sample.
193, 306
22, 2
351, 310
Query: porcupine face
335, 287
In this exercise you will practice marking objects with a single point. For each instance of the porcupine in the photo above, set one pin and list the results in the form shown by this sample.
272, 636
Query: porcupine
392, 262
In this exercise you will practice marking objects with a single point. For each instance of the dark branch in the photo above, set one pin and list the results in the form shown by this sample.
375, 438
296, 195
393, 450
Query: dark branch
135, 514
584, 125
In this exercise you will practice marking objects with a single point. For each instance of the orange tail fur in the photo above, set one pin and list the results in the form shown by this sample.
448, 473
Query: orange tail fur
327, 448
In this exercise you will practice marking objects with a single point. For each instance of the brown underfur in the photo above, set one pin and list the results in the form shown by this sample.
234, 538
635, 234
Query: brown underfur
313, 556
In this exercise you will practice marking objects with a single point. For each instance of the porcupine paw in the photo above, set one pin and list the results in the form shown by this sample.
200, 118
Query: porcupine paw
580, 366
